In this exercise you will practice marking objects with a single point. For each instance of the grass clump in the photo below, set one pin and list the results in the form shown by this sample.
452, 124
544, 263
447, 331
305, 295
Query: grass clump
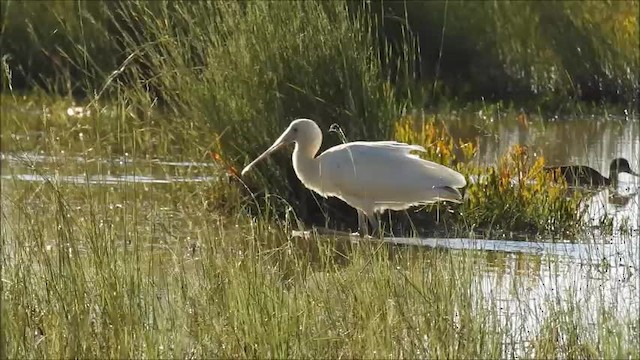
247, 70
563, 333
518, 195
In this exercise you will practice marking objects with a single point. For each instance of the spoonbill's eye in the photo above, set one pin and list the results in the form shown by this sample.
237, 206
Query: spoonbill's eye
295, 129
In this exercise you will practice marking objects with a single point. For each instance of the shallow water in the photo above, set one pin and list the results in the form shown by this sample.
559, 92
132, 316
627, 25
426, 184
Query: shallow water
525, 282
525, 291
602, 268
39, 168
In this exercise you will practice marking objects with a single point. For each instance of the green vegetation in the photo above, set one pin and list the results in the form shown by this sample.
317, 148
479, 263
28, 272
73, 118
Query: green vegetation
238, 73
230, 76
551, 51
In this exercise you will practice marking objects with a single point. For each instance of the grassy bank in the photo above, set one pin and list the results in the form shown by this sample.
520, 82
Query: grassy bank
230, 76
516, 195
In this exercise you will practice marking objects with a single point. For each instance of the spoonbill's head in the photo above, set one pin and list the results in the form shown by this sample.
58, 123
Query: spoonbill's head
621, 165
305, 133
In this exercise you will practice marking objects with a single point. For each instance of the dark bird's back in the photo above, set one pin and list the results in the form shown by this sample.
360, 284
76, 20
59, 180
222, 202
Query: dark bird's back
578, 175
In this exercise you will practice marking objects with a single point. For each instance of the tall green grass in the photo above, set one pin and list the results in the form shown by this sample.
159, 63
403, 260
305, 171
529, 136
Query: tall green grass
247, 70
66, 47
241, 71
134, 271
548, 51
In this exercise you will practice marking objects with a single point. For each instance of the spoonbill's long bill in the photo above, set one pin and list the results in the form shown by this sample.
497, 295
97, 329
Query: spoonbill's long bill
369, 176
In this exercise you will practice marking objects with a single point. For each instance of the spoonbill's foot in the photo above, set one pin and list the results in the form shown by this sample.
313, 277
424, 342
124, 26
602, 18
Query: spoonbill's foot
305, 234
358, 235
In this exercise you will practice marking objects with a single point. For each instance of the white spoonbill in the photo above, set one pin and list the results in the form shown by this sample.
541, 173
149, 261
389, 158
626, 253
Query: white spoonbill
369, 176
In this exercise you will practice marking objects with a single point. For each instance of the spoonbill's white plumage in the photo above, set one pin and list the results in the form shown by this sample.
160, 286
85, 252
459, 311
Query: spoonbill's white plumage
369, 176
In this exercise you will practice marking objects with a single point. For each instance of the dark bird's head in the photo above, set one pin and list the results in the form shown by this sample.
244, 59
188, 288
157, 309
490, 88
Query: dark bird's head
621, 165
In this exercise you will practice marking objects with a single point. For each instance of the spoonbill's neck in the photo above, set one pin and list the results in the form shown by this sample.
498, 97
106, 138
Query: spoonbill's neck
305, 164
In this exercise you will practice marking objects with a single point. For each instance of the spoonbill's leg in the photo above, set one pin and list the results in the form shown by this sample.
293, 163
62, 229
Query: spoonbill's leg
362, 223
375, 225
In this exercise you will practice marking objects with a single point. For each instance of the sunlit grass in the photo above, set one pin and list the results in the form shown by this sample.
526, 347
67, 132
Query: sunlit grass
205, 270
197, 270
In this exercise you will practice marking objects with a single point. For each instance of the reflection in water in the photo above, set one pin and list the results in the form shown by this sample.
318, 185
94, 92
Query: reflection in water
21, 166
32, 158
104, 180
588, 142
581, 142
624, 253
616, 208
526, 282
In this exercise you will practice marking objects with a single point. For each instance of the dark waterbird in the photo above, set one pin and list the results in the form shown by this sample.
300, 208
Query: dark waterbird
585, 176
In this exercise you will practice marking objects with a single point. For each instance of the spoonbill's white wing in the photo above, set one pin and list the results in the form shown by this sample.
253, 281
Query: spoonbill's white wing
392, 146
387, 173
